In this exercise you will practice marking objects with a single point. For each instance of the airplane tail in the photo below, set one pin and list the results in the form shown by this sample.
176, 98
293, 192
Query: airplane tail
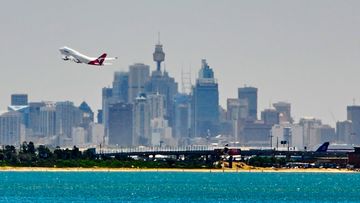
323, 147
99, 61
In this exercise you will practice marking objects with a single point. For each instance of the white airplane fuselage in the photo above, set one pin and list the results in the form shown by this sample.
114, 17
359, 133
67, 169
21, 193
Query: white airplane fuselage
73, 55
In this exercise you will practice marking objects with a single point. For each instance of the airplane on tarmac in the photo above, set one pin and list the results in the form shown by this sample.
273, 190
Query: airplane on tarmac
73, 55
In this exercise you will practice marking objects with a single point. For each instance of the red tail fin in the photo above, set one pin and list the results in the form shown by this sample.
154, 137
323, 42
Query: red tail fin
99, 61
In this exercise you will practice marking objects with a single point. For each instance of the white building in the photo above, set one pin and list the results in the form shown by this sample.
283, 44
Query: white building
344, 132
156, 105
323, 133
48, 120
310, 139
12, 131
161, 133
291, 133
96, 134
78, 136
141, 126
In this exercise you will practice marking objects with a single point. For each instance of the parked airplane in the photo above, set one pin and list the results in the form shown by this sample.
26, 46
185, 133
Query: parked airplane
70, 54
327, 147
324, 147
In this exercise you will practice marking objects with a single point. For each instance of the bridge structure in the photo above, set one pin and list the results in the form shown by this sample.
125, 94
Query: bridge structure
214, 152
152, 151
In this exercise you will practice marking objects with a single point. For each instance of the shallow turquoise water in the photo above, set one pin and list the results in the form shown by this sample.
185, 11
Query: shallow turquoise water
178, 187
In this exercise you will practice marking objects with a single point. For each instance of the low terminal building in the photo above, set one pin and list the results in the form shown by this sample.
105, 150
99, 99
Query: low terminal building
354, 158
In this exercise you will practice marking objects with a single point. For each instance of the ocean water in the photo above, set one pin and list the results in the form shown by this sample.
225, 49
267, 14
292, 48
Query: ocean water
178, 187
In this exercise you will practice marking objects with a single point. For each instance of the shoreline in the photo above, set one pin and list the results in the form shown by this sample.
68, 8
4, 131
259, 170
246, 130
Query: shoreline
225, 170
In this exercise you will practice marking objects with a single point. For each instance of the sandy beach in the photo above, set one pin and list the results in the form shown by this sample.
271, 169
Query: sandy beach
225, 170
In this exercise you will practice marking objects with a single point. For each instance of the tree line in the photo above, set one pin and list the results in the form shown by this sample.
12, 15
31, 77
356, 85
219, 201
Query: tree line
28, 155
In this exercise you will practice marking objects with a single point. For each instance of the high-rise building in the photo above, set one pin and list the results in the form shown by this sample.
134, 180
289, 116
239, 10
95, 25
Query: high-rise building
19, 99
156, 105
87, 115
249, 93
324, 133
353, 114
237, 113
161, 83
237, 109
24, 111
161, 134
284, 110
256, 134
138, 75
270, 116
182, 118
96, 134
100, 116
291, 133
67, 117
106, 101
120, 124
12, 131
48, 120
34, 116
142, 131
344, 132
205, 103
309, 126
120, 90
79, 135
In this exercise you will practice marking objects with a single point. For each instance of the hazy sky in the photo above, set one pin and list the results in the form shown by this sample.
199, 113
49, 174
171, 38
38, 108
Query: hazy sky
303, 52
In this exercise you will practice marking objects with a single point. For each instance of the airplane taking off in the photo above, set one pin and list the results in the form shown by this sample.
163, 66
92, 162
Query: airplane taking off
70, 54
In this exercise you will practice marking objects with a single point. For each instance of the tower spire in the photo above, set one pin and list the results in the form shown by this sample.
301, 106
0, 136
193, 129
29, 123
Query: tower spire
158, 55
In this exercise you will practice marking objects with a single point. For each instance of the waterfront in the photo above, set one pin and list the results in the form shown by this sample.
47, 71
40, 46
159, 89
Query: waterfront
178, 186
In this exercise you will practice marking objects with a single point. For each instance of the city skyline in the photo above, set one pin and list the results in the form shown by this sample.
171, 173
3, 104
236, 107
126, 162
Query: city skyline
308, 56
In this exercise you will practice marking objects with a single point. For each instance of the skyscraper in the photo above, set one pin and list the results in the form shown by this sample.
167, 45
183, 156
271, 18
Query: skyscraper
87, 116
120, 90
205, 103
106, 100
344, 131
120, 124
284, 110
249, 93
19, 99
291, 133
270, 116
11, 128
141, 132
237, 109
161, 83
48, 120
34, 116
138, 75
309, 126
182, 118
353, 114
324, 133
67, 117
156, 105
256, 134
236, 115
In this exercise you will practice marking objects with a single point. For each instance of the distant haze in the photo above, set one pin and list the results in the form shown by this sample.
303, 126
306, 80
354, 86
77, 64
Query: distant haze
303, 52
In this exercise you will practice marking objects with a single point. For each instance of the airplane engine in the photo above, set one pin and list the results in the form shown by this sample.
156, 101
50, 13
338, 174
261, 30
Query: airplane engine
65, 58
76, 60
